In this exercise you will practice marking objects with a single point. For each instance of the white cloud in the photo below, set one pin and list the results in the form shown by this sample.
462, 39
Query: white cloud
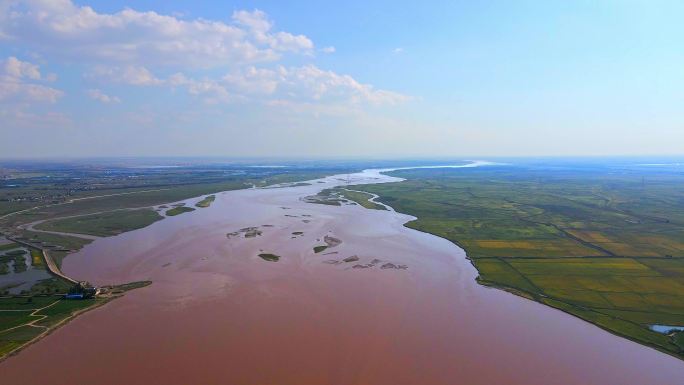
146, 48
98, 95
398, 50
17, 83
253, 81
260, 30
314, 84
21, 69
146, 38
305, 84
132, 75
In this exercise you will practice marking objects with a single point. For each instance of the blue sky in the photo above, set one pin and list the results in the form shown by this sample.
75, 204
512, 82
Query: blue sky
316, 79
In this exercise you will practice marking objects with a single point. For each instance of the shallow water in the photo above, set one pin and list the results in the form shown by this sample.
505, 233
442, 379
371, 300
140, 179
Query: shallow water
19, 281
218, 314
666, 328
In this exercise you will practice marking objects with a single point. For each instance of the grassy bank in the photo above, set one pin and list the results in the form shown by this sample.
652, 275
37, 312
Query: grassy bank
361, 198
24, 319
178, 211
104, 224
605, 246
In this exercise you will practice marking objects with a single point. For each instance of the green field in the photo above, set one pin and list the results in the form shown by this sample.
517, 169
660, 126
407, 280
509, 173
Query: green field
103, 224
15, 326
605, 245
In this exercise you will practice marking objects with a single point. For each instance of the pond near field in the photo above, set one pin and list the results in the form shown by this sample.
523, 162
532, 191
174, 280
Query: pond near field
17, 271
666, 329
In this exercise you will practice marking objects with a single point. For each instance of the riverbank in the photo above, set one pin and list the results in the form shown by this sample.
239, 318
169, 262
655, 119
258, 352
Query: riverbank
598, 246
27, 319
217, 310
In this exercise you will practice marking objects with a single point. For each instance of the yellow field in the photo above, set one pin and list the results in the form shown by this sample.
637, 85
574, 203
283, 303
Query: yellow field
590, 236
543, 247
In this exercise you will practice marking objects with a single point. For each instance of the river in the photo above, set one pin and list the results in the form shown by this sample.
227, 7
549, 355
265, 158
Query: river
217, 313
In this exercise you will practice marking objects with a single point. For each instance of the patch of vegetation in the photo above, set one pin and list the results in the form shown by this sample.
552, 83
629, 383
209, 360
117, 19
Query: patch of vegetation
206, 202
130, 286
252, 232
605, 245
104, 224
19, 264
269, 257
178, 210
14, 253
60, 245
50, 286
318, 249
326, 197
37, 259
9, 246
361, 198
18, 259
679, 339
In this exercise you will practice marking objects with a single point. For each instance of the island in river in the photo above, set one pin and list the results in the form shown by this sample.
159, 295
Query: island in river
218, 312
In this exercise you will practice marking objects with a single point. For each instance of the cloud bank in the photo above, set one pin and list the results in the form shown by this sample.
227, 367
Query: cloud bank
20, 81
231, 74
131, 47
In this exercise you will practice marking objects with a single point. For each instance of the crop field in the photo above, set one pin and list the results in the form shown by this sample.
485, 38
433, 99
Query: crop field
604, 244
103, 224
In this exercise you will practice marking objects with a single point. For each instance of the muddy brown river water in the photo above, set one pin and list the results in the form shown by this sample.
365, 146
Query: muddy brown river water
217, 313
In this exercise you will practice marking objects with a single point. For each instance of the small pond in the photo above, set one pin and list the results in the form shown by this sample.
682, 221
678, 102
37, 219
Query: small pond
666, 329
16, 278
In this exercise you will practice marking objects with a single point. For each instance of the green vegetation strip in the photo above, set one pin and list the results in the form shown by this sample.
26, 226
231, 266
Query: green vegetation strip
8, 246
104, 224
206, 202
18, 259
605, 247
178, 211
318, 249
269, 257
362, 198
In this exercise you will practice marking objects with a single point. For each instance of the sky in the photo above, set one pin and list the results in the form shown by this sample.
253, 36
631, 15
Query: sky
355, 79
